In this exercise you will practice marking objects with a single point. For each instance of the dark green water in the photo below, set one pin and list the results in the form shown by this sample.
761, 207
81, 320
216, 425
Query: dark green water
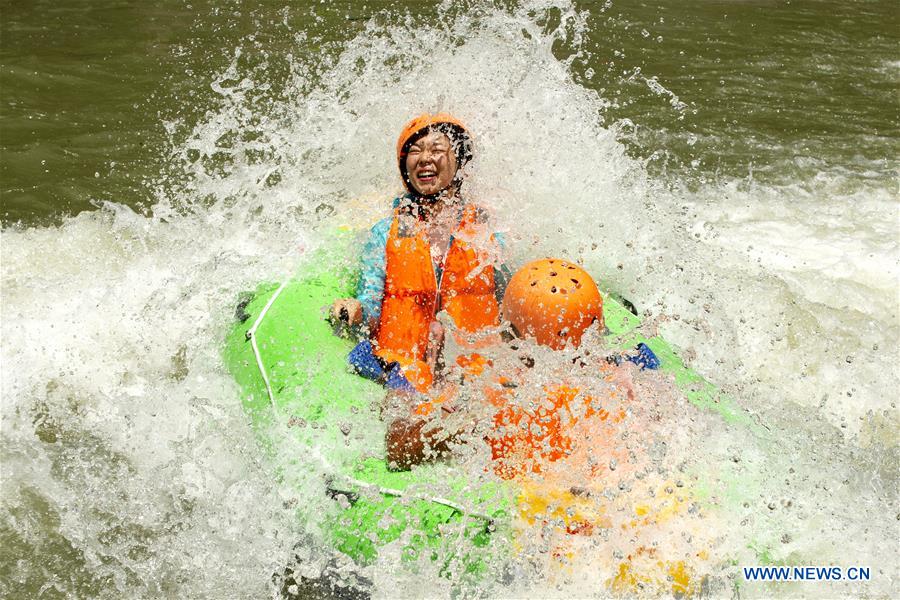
784, 91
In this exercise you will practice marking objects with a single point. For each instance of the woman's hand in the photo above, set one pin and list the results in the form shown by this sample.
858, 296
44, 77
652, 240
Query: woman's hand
347, 310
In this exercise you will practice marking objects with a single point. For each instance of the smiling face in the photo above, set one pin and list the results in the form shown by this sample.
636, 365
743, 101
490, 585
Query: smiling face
431, 163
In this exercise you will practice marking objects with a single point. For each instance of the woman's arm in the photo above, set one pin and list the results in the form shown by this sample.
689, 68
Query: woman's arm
370, 290
366, 307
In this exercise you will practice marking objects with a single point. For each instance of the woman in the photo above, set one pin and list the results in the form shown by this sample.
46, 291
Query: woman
434, 253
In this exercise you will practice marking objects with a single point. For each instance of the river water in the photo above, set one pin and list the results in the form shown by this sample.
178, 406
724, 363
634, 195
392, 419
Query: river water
730, 167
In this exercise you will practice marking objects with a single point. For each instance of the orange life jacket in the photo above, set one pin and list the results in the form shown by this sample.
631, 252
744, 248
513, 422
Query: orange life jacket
526, 440
413, 296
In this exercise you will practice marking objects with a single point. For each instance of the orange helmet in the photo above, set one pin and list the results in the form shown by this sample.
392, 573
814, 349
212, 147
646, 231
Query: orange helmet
552, 301
444, 122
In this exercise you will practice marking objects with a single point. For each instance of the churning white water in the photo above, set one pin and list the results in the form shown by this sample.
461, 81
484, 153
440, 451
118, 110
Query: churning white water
129, 468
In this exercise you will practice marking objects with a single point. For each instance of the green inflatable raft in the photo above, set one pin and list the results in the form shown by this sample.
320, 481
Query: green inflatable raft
297, 388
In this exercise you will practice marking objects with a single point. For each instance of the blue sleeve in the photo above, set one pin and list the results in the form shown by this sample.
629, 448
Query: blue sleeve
370, 290
502, 274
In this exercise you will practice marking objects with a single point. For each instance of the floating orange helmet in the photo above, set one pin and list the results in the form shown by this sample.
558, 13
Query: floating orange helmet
552, 301
444, 122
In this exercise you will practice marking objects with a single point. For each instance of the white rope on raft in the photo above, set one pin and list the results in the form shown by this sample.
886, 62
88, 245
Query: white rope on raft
251, 335
399, 494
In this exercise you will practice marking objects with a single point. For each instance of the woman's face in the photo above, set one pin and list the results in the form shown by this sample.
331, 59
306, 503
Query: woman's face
431, 163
